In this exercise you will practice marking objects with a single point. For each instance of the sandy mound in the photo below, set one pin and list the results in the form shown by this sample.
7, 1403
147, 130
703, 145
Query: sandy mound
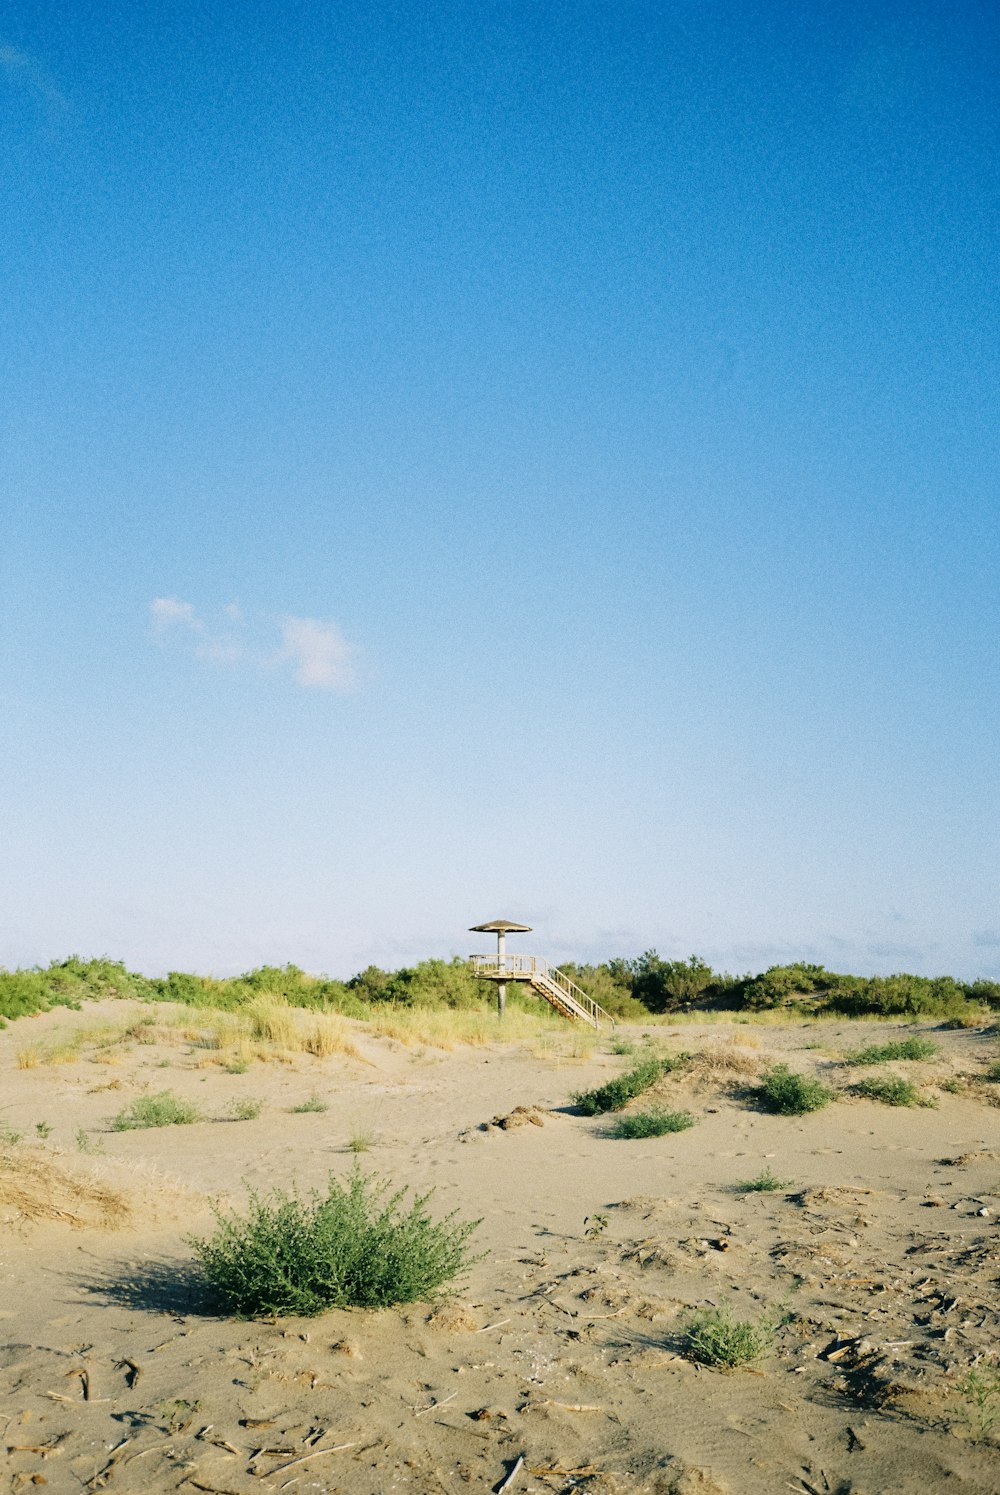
37, 1184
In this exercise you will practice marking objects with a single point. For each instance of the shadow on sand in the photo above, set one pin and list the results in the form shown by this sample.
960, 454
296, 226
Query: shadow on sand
163, 1285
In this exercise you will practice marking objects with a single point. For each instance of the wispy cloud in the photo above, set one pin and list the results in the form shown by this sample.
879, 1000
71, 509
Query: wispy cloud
313, 649
21, 70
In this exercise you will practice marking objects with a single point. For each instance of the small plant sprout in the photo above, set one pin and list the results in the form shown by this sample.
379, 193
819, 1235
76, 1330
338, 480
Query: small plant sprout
85, 1143
714, 1338
594, 1226
43, 1129
766, 1182
981, 1393
362, 1139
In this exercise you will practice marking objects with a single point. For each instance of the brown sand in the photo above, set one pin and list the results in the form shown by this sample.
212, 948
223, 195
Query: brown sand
559, 1349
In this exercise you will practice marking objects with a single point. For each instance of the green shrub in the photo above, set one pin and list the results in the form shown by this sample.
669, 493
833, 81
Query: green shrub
655, 1123
311, 1103
765, 1183
781, 985
164, 1109
616, 1094
891, 1090
713, 1337
246, 1108
789, 1094
352, 1247
885, 1053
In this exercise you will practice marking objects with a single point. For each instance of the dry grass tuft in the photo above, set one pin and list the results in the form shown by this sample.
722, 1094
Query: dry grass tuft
38, 1185
450, 1028
329, 1035
273, 1022
724, 1064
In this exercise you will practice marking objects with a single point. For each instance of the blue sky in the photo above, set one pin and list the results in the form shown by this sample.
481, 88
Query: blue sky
473, 459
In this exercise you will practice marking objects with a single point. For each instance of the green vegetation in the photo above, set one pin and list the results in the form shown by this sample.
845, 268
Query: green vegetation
627, 988
891, 1090
246, 1108
885, 1053
981, 1392
594, 1226
164, 1109
616, 1094
352, 1247
311, 1103
653, 1123
362, 1139
713, 1337
765, 1183
789, 1094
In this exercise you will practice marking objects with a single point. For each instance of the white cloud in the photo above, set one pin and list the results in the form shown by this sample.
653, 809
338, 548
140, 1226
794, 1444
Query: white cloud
170, 612
315, 650
321, 656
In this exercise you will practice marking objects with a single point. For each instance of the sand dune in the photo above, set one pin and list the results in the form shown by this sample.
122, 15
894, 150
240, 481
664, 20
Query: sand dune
564, 1348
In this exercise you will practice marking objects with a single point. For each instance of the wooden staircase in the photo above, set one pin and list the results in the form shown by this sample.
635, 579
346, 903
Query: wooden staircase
548, 981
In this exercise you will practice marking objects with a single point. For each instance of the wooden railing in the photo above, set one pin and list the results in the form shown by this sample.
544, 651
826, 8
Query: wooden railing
532, 968
512, 965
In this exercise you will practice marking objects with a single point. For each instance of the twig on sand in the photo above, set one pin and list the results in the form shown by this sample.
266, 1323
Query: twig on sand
100, 1478
512, 1476
569, 1406
486, 1327
422, 1411
313, 1454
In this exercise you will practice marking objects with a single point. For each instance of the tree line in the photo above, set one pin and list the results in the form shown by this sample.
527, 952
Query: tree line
628, 988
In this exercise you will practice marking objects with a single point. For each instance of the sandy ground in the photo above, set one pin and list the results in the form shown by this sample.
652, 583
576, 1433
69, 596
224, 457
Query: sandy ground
560, 1349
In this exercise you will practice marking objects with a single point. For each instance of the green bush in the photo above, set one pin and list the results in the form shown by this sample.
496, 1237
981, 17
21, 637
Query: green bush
655, 1123
664, 985
789, 1094
713, 1337
164, 1109
246, 1108
350, 1248
616, 1094
885, 1053
779, 985
765, 1183
312, 1102
891, 1090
